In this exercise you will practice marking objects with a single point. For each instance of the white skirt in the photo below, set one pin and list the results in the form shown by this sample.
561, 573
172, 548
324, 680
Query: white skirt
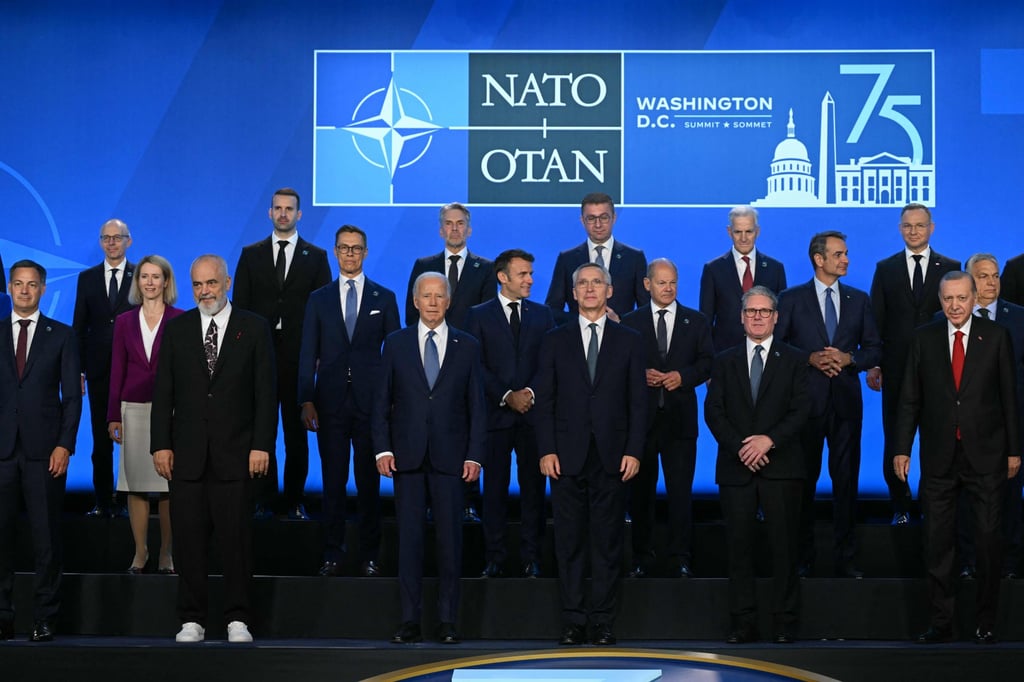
135, 471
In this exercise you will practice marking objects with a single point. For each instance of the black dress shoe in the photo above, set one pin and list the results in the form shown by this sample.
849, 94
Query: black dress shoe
741, 636
848, 571
491, 570
446, 634
330, 569
370, 569
531, 569
42, 632
637, 572
6, 631
119, 511
784, 638
685, 571
573, 635
298, 513
408, 633
98, 512
984, 636
967, 573
602, 635
1010, 575
759, 515
262, 513
469, 515
935, 636
901, 519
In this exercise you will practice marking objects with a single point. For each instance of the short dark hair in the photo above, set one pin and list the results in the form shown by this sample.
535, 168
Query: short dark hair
453, 206
351, 229
26, 263
595, 198
819, 241
287, 192
917, 207
504, 259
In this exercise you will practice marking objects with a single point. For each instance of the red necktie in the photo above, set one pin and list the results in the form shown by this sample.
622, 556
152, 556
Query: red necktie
21, 352
958, 358
748, 277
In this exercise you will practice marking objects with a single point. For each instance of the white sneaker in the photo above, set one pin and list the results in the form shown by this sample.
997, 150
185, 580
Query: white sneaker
238, 632
190, 633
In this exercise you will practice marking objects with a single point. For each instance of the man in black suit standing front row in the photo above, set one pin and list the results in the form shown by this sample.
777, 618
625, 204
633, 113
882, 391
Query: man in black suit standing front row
40, 405
960, 393
213, 425
756, 406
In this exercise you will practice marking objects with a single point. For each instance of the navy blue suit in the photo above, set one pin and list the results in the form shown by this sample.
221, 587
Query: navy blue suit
477, 283
38, 413
837, 408
508, 366
721, 291
671, 429
432, 433
590, 426
339, 376
627, 266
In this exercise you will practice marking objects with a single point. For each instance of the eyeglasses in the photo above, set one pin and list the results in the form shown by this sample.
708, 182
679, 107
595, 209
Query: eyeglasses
917, 227
758, 312
585, 283
350, 250
591, 219
113, 238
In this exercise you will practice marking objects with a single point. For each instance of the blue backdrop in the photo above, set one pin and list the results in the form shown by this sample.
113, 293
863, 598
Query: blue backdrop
181, 118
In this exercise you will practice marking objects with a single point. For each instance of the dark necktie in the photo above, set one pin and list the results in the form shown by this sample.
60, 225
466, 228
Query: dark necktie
351, 308
210, 344
831, 318
514, 321
985, 312
280, 263
21, 353
112, 289
748, 276
917, 283
662, 334
600, 258
756, 370
453, 272
431, 362
592, 352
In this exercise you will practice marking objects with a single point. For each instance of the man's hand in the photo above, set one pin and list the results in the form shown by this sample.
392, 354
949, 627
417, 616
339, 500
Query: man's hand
1014, 466
754, 452
59, 461
114, 430
612, 315
163, 462
550, 466
901, 466
629, 467
829, 361
521, 401
310, 419
470, 471
386, 466
874, 378
259, 463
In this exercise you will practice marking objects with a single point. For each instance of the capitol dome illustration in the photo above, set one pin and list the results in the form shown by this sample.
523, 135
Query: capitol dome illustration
791, 181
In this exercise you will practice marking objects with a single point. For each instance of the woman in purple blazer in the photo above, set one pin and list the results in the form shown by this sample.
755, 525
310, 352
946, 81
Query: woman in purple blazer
137, 335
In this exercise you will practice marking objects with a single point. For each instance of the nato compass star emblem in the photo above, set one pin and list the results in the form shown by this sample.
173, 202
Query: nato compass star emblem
389, 123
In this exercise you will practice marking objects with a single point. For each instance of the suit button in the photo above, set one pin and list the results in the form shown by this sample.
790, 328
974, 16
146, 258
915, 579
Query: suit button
209, 395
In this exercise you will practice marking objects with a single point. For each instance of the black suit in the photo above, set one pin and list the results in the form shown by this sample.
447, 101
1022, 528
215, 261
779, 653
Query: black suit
256, 289
38, 413
477, 283
590, 425
626, 265
721, 290
897, 313
966, 436
1011, 284
211, 424
510, 366
94, 324
671, 429
780, 412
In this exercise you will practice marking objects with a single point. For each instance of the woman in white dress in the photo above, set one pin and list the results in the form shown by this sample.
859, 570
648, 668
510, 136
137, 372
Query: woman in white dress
137, 335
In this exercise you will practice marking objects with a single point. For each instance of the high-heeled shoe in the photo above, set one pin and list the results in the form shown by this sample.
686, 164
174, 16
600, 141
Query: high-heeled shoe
168, 568
136, 569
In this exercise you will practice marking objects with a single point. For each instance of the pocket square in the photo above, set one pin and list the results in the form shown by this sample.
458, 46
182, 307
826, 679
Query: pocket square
374, 312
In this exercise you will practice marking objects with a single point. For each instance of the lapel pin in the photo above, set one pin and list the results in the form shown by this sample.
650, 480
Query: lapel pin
238, 336
764, 264
49, 328
686, 320
375, 293
305, 252
476, 264
618, 256
777, 354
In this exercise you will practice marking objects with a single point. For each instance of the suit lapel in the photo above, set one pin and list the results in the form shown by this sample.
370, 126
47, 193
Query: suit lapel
977, 349
772, 357
40, 340
7, 344
299, 260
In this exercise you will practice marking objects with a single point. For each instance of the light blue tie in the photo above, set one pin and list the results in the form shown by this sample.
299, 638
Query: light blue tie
756, 370
831, 319
592, 351
600, 258
351, 308
431, 363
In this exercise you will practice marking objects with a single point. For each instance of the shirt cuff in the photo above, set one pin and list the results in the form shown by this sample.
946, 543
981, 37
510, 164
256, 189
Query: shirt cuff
386, 453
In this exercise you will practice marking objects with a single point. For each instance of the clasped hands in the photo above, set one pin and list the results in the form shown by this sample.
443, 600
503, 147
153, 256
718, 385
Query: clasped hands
829, 360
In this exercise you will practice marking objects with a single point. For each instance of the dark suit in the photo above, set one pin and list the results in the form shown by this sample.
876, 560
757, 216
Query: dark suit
37, 414
256, 289
5, 305
627, 266
966, 436
211, 424
590, 426
837, 408
671, 430
897, 313
477, 284
1011, 284
432, 433
94, 324
508, 366
721, 291
339, 376
780, 413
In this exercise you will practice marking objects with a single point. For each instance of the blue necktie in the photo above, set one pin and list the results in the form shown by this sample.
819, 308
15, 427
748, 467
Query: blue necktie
600, 257
592, 351
756, 370
831, 319
351, 308
431, 363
